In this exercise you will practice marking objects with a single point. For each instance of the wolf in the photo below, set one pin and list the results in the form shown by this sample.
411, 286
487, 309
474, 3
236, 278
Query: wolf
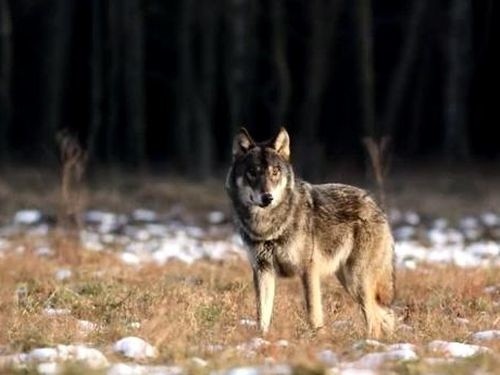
291, 227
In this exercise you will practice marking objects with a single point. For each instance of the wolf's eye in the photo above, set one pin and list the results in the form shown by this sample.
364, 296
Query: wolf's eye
276, 171
251, 173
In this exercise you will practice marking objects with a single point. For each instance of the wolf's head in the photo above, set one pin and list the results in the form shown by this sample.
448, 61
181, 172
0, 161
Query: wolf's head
261, 172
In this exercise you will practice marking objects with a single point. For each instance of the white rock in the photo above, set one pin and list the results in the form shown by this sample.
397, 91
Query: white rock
27, 217
486, 335
135, 347
456, 349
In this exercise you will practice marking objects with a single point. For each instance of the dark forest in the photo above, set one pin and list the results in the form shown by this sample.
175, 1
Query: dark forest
167, 83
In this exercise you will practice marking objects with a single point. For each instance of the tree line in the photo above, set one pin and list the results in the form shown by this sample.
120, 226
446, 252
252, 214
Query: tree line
144, 82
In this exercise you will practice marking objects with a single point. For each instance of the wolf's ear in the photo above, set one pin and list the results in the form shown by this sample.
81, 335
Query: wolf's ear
242, 142
282, 144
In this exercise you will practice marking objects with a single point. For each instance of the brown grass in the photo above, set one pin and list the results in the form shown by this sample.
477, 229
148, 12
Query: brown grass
186, 310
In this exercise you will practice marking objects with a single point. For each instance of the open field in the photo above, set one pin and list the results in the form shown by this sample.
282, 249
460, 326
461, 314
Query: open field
157, 259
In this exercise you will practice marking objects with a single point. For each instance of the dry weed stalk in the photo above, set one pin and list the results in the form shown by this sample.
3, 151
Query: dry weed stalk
73, 160
378, 151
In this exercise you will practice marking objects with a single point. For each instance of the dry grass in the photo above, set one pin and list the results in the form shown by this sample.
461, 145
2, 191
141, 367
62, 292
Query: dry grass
186, 310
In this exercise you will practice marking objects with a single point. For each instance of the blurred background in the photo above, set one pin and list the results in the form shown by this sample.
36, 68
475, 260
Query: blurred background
164, 85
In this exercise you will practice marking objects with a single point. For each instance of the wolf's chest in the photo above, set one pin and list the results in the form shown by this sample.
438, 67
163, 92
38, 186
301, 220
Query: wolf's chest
285, 258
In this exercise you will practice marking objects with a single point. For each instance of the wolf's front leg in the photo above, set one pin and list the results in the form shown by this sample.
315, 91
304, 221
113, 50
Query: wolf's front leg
312, 291
264, 282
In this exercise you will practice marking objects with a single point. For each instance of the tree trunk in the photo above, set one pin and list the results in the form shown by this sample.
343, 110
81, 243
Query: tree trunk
206, 92
133, 58
322, 18
113, 81
240, 52
96, 62
185, 86
407, 58
457, 83
60, 31
366, 69
280, 61
5, 77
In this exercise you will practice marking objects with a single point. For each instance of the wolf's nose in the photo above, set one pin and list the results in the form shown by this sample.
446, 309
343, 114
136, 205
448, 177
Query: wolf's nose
266, 199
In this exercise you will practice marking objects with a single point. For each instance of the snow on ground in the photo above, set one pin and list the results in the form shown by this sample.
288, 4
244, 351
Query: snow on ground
146, 236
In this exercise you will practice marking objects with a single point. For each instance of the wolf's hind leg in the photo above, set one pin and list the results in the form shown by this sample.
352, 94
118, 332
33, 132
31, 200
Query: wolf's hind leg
264, 282
312, 290
378, 318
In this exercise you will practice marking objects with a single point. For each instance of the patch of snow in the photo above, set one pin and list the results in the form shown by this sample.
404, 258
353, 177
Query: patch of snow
282, 343
91, 241
198, 362
43, 355
368, 343
402, 346
129, 258
44, 251
86, 326
216, 217
486, 335
412, 218
484, 249
490, 219
355, 371
456, 349
49, 368
249, 348
27, 217
63, 274
248, 322
270, 369
144, 215
327, 357
49, 311
404, 233
136, 369
377, 359
135, 347
462, 321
